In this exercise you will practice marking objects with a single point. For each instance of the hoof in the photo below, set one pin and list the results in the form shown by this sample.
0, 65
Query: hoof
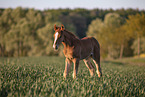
64, 75
99, 74
74, 76
91, 74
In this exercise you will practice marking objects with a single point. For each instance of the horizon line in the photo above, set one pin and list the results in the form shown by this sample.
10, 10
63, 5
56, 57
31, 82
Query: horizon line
71, 8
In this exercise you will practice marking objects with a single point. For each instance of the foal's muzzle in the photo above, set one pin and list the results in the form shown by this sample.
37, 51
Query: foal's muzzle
55, 47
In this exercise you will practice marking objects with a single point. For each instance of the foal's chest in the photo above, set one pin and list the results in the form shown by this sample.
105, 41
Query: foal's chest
68, 52
71, 52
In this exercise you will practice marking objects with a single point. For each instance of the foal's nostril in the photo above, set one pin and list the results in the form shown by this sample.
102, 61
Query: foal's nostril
56, 47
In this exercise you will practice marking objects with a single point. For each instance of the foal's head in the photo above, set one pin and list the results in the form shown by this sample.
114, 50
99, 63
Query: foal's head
58, 36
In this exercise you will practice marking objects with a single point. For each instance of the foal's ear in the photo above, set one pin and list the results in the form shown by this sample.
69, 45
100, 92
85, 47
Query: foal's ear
55, 28
62, 27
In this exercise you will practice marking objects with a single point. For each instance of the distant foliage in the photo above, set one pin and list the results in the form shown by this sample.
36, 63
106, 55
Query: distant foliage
29, 32
106, 32
115, 33
26, 32
142, 46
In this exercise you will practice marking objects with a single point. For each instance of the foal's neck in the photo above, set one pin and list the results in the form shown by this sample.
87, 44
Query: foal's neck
69, 38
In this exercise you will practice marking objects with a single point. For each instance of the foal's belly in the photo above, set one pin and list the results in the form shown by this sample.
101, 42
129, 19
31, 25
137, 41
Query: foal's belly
86, 48
86, 54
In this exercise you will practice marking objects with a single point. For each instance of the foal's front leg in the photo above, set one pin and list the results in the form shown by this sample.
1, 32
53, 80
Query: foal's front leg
76, 65
67, 67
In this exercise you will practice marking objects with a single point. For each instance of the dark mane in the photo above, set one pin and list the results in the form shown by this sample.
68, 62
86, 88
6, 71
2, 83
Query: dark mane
70, 33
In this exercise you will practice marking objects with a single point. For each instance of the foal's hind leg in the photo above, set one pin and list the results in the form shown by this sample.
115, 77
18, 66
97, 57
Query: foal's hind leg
96, 60
97, 63
90, 66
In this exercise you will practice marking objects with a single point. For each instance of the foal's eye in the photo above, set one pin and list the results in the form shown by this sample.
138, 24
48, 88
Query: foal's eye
60, 36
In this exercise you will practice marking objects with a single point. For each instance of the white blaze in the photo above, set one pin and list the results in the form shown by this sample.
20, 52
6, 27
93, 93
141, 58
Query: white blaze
56, 36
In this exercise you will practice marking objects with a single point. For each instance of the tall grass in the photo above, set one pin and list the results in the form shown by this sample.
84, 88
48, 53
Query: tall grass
43, 76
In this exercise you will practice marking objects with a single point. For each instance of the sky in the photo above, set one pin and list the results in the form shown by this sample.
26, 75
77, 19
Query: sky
87, 4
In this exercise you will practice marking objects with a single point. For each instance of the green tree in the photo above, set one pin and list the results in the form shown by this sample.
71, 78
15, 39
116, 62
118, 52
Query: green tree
95, 28
45, 35
20, 38
112, 22
106, 33
142, 45
35, 18
5, 25
136, 26
122, 38
17, 14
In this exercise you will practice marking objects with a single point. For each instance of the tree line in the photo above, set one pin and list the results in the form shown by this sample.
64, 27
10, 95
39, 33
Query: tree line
29, 32
119, 37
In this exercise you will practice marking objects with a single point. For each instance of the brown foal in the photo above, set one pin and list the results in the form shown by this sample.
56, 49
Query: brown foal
77, 49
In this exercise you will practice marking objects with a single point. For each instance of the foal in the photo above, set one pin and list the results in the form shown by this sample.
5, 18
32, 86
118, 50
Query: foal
77, 49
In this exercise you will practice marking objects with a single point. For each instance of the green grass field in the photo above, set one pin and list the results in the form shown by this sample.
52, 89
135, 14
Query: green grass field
43, 76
